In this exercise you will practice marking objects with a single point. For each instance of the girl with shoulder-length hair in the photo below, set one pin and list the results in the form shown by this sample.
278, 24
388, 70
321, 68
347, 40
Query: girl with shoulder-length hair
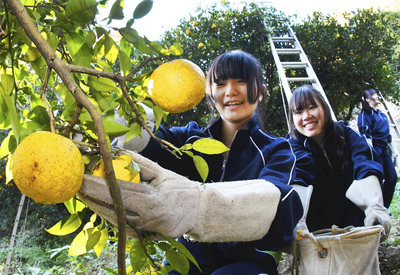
232, 222
374, 124
346, 190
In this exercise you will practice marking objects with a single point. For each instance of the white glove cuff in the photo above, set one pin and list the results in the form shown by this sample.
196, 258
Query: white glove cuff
235, 211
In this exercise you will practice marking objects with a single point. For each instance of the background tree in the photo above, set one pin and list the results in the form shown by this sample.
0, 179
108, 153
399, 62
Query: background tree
351, 56
212, 31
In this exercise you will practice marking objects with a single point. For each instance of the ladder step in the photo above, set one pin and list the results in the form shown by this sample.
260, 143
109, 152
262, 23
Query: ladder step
288, 51
293, 79
294, 65
282, 39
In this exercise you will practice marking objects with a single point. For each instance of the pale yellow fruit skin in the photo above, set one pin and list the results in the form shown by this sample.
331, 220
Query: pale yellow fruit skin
177, 86
119, 165
48, 168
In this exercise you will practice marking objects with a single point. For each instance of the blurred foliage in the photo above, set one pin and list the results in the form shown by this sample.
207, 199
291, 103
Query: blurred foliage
351, 57
212, 31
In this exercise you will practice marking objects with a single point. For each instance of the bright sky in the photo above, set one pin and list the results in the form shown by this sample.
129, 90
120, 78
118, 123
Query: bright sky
167, 14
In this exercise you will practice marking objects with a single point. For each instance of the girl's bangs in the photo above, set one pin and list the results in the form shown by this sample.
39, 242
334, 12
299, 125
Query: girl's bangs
230, 68
302, 100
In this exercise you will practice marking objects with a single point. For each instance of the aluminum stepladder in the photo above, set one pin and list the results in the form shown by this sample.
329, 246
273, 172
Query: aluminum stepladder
290, 57
393, 127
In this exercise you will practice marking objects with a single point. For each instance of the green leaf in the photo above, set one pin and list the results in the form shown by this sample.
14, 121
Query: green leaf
38, 113
164, 246
201, 166
116, 11
187, 146
111, 50
130, 35
103, 239
158, 115
176, 49
114, 129
6, 82
104, 100
52, 40
84, 241
4, 147
67, 225
102, 84
78, 48
74, 206
209, 146
81, 11
182, 249
177, 261
142, 46
142, 9
124, 63
12, 114
31, 54
137, 256
135, 130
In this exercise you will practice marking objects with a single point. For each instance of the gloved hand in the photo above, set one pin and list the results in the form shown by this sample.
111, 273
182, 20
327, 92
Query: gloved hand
305, 193
137, 143
367, 194
174, 205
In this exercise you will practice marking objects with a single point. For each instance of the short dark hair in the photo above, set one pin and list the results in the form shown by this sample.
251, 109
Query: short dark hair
367, 94
236, 64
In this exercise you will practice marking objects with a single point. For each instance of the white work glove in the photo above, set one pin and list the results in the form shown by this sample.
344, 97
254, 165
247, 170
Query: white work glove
367, 194
174, 205
305, 193
137, 143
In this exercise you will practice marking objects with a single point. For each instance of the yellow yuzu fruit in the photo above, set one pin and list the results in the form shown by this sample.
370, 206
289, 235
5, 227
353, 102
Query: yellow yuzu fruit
122, 169
177, 86
47, 167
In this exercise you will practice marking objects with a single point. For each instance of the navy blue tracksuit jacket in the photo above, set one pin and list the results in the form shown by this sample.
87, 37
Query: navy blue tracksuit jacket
253, 155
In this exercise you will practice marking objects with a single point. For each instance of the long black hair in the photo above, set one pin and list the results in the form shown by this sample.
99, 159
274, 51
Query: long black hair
301, 98
364, 103
235, 64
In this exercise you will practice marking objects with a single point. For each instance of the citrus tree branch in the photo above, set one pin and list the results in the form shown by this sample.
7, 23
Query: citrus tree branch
54, 62
122, 82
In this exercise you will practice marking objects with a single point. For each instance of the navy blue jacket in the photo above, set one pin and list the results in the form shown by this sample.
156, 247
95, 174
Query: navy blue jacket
375, 125
328, 205
253, 155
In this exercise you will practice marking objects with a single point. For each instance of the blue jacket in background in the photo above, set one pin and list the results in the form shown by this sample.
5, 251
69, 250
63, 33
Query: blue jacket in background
375, 125
253, 155
328, 205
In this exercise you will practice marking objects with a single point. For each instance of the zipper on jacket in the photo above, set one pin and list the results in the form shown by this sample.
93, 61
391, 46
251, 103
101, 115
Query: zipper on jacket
327, 158
227, 156
223, 168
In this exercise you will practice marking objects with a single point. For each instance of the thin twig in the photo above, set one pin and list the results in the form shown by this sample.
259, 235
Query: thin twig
165, 144
141, 241
73, 121
43, 96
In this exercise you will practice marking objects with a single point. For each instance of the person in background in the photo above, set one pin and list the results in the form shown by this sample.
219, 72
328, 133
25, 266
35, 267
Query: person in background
235, 220
374, 125
346, 189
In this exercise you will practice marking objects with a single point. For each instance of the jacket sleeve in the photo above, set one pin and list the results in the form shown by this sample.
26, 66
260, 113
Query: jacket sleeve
290, 209
305, 164
364, 123
364, 157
